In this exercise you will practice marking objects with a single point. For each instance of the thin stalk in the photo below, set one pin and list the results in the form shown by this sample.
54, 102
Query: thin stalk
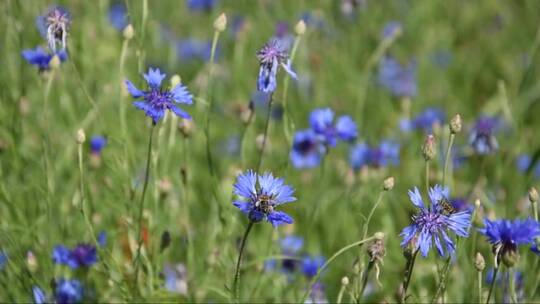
123, 124
408, 275
513, 296
265, 135
447, 158
330, 260
141, 208
209, 158
83, 198
442, 281
286, 120
365, 280
46, 143
340, 294
479, 278
492, 284
236, 287
427, 176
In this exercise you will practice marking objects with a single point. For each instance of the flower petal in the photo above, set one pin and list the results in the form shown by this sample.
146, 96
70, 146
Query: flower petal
136, 93
182, 95
179, 112
154, 77
416, 198
277, 218
245, 185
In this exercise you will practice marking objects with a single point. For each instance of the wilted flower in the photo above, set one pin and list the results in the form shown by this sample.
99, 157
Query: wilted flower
322, 123
68, 291
482, 136
506, 236
433, 222
118, 16
307, 149
425, 120
54, 25
271, 56
399, 80
40, 58
261, 195
387, 153
158, 99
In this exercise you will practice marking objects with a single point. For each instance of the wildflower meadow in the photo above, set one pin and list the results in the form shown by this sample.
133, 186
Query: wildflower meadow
269, 151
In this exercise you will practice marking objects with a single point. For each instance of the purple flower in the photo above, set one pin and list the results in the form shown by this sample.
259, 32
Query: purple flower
261, 194
68, 291
482, 136
425, 120
271, 56
83, 255
158, 99
97, 143
307, 150
399, 80
118, 15
54, 25
311, 265
201, 5
322, 123
432, 223
40, 58
387, 153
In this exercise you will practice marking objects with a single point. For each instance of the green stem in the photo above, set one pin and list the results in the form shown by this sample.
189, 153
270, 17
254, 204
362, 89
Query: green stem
447, 158
123, 124
330, 260
265, 135
209, 158
83, 198
442, 281
427, 177
340, 294
513, 295
286, 120
141, 208
492, 284
479, 277
236, 287
408, 275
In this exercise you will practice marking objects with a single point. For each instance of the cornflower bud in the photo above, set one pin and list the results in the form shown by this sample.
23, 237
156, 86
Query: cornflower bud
533, 195
81, 136
220, 24
388, 183
428, 149
300, 28
455, 124
479, 262
128, 32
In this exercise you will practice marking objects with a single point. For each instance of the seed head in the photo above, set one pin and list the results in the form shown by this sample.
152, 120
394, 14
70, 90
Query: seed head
479, 262
376, 250
455, 124
128, 32
300, 28
220, 24
428, 149
81, 136
345, 281
533, 195
388, 183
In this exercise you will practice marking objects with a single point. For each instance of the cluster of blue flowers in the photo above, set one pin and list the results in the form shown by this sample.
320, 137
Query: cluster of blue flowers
386, 153
311, 145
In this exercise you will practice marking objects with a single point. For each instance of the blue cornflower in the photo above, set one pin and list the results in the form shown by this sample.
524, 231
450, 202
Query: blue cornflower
195, 49
83, 255
311, 265
39, 295
40, 58
322, 123
387, 153
261, 195
307, 149
68, 291
523, 163
175, 278
118, 15
201, 5
461, 204
482, 136
271, 56
54, 25
425, 120
433, 223
399, 80
506, 236
391, 29
158, 99
97, 143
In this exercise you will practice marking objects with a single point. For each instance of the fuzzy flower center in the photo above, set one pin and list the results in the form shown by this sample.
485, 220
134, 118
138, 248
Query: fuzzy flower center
430, 221
158, 98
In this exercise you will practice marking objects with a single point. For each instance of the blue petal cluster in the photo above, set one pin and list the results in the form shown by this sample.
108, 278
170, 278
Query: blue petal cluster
97, 143
156, 99
482, 136
82, 255
54, 26
387, 153
65, 291
272, 55
261, 194
509, 234
307, 150
424, 121
118, 15
399, 80
201, 5
41, 58
432, 223
311, 265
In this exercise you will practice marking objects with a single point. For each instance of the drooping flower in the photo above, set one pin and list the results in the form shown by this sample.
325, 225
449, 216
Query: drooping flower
311, 265
433, 223
97, 143
482, 136
201, 5
118, 15
307, 150
40, 58
83, 255
322, 123
271, 56
506, 236
399, 80
387, 153
261, 194
156, 99
425, 120
68, 291
54, 25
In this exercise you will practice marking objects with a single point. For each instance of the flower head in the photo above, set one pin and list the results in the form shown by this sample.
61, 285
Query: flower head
40, 58
387, 153
3, 259
54, 25
118, 16
307, 149
83, 255
97, 143
322, 123
482, 136
68, 291
311, 265
272, 55
433, 222
261, 194
425, 120
157, 99
399, 80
